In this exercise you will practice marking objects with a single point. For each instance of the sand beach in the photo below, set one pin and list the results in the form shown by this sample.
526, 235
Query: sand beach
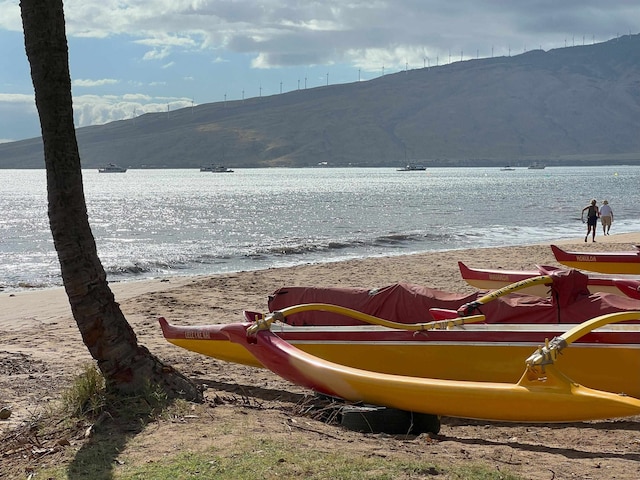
41, 349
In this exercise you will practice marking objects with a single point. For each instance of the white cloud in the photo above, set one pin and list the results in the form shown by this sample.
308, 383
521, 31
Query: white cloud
136, 97
10, 15
279, 33
94, 83
160, 40
98, 110
156, 54
17, 112
17, 98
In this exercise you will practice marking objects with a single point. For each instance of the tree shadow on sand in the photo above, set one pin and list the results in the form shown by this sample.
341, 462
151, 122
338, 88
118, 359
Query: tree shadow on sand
120, 421
572, 451
98, 458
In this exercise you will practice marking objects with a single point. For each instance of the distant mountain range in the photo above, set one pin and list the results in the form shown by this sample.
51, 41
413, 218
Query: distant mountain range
568, 106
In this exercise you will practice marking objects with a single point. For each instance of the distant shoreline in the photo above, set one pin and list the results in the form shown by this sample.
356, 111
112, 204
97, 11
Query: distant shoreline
632, 161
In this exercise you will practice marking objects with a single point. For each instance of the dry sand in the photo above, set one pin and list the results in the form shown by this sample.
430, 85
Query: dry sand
41, 348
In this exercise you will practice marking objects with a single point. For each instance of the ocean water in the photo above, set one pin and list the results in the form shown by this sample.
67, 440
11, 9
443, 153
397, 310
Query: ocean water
152, 223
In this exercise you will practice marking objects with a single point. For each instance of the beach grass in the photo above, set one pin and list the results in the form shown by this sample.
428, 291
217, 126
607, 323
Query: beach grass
267, 459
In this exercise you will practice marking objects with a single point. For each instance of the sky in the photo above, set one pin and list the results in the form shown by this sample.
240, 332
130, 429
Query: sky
129, 57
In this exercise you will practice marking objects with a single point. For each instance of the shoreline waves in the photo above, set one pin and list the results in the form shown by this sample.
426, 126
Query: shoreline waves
435, 269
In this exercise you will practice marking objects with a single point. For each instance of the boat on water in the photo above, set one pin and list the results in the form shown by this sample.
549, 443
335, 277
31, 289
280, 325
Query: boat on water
625, 263
398, 331
412, 167
216, 169
112, 168
537, 166
507, 168
492, 279
543, 392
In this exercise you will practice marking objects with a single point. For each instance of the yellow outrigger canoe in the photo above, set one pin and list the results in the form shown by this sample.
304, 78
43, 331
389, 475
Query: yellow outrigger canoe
459, 348
492, 279
542, 394
465, 350
627, 263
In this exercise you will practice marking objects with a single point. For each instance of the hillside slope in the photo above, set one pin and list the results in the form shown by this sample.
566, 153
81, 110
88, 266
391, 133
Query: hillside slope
565, 106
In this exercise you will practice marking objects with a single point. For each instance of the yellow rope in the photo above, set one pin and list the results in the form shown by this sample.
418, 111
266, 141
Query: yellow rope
265, 323
549, 352
467, 308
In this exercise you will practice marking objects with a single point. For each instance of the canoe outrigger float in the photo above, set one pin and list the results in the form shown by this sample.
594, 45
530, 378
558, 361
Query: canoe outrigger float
626, 263
491, 279
542, 394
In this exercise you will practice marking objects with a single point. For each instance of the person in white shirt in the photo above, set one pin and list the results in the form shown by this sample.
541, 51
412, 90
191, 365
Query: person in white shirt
606, 217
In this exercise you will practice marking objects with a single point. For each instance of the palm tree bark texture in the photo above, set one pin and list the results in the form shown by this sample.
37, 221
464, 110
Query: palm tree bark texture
126, 366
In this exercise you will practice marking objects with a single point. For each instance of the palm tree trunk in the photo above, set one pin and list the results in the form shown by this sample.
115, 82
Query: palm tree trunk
126, 366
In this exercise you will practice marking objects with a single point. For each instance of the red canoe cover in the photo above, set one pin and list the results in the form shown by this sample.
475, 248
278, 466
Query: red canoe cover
570, 302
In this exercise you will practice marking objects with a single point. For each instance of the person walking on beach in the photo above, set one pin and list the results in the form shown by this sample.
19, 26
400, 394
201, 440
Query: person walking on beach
592, 219
606, 217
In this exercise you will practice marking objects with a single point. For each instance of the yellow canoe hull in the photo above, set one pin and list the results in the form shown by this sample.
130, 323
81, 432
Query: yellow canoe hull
495, 282
219, 349
626, 263
494, 279
604, 367
621, 268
